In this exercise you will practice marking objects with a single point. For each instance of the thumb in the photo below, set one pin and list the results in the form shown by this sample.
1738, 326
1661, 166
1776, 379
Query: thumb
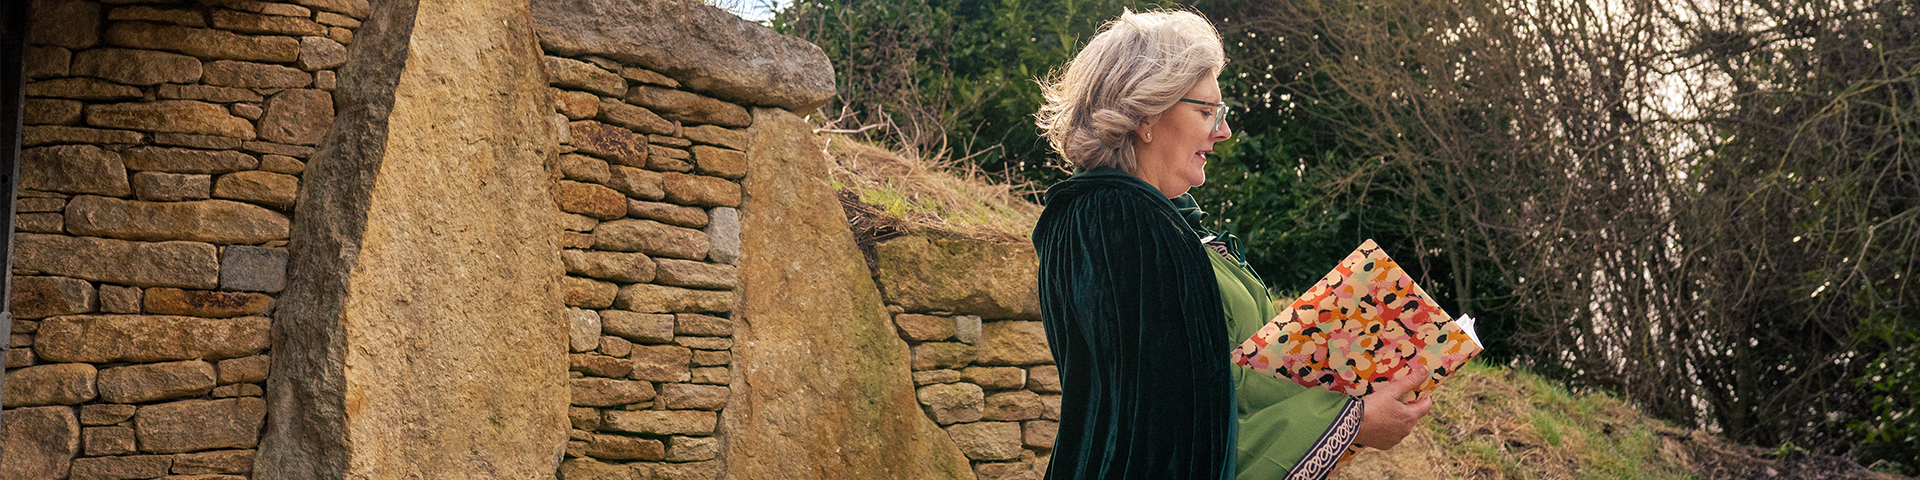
1406, 383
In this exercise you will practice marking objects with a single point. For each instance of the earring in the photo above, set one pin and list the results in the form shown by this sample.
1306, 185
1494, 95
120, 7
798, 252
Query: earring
1149, 138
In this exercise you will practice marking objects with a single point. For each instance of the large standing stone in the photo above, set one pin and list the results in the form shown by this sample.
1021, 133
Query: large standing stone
42, 297
610, 142
799, 264
156, 381
182, 160
275, 190
707, 48
298, 116
195, 425
212, 221
688, 107
137, 67
651, 238
1014, 343
74, 169
428, 263
51, 384
203, 42
570, 73
38, 443
981, 278
178, 116
148, 338
164, 264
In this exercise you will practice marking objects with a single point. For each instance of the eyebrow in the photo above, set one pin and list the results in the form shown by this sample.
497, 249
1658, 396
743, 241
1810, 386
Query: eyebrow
1210, 104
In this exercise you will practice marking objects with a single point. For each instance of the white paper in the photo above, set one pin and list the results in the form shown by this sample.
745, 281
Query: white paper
1466, 323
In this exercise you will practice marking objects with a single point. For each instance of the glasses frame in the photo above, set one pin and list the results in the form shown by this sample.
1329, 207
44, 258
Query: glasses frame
1220, 111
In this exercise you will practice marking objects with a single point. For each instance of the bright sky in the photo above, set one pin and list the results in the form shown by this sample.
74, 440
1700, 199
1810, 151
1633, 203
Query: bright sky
754, 10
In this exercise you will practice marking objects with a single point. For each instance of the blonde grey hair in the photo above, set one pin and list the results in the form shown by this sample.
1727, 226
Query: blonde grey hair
1137, 67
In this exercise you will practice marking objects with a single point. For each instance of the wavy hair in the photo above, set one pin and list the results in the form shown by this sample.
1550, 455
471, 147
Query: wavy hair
1137, 67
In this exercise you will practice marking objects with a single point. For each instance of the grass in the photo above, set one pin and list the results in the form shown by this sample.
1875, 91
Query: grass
931, 195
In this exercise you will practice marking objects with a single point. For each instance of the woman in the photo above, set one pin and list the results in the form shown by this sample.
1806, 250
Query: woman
1140, 314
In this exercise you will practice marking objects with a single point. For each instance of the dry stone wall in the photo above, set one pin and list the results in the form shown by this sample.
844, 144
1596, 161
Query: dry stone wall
163, 147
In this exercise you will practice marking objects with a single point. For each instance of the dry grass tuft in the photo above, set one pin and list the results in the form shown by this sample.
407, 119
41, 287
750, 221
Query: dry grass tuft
889, 194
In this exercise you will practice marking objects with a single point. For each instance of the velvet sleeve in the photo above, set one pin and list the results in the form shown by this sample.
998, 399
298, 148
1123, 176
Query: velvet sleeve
1134, 319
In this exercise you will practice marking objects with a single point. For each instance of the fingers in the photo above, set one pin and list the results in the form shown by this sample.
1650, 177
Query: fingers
1404, 384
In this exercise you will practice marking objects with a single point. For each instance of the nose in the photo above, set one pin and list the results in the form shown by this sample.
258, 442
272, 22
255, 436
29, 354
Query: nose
1224, 132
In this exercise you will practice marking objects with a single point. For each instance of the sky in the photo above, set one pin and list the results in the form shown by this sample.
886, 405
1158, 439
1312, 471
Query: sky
754, 10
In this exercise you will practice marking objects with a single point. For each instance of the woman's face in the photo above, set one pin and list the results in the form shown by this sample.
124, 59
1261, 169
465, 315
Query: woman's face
1173, 146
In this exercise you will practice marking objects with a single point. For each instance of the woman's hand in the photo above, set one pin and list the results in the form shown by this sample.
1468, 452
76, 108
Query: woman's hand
1387, 420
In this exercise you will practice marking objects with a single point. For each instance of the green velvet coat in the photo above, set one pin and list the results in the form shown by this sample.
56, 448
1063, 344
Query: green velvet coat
1134, 317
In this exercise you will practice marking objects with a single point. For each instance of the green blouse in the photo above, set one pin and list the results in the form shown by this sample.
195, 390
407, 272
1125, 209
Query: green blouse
1286, 430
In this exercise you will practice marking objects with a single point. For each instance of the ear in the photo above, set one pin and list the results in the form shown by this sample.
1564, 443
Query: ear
1145, 131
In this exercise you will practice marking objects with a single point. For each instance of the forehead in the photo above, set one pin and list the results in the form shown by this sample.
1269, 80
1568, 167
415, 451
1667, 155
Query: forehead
1207, 91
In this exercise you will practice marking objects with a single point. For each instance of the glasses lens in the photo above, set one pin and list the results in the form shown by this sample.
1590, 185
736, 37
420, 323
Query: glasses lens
1220, 116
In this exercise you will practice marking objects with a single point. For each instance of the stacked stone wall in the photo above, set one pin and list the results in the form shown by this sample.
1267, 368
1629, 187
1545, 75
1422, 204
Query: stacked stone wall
163, 145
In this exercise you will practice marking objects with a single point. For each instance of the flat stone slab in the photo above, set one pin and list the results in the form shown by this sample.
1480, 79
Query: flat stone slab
707, 49
148, 338
142, 264
992, 280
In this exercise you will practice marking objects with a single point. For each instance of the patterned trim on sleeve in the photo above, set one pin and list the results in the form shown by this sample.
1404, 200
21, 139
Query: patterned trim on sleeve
1325, 454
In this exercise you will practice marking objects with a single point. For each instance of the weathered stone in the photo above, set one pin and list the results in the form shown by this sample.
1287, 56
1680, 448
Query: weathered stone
988, 440
228, 73
639, 119
342, 35
213, 221
583, 332
590, 469
42, 297
137, 67
575, 105
187, 18
181, 160
688, 107
590, 200
214, 462
575, 240
584, 168
1006, 471
1014, 343
247, 111
701, 190
245, 369
607, 392
932, 355
36, 135
282, 164
995, 378
710, 376
950, 403
354, 8
585, 293
676, 215
277, 149
706, 48
39, 223
265, 24
172, 264
639, 327
180, 116
723, 232
117, 468
615, 346
265, 188
118, 299
38, 443
710, 358
966, 328
652, 238
637, 183
720, 162
1038, 433
704, 343
649, 298
298, 116
208, 93
599, 365
922, 328
102, 441
681, 396
249, 268
615, 266
205, 303
577, 223
980, 278
156, 381
616, 144
648, 77
171, 187
668, 159
52, 384
105, 414
702, 325
660, 363
1052, 405
148, 338
669, 140
930, 377
44, 111
620, 447
31, 205
690, 274
79, 88
708, 470
72, 24
717, 136
692, 449
570, 73
46, 62
74, 169
237, 390
1044, 379
203, 42
1014, 406
662, 422
195, 425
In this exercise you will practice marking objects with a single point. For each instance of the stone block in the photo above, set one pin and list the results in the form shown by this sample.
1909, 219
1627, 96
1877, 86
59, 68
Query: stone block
1014, 343
950, 403
298, 151
681, 396
707, 470
584, 418
668, 159
1038, 433
607, 392
700, 190
205, 303
676, 215
45, 62
621, 447
103, 441
246, 110
82, 88
136, 67
637, 183
652, 238
181, 160
720, 162
148, 338
649, 328
1051, 403
615, 346
930, 377
195, 425
36, 135
1044, 379
662, 422
171, 187
988, 441
585, 293
704, 343
118, 468
591, 200
211, 221
723, 231
105, 414
50, 384
118, 299
1006, 471
282, 164
178, 116
38, 443
616, 144
702, 325
297, 116
1014, 406
923, 328
932, 355
648, 77
250, 268
575, 105
39, 223
590, 469
709, 358
265, 24
64, 23
34, 205
342, 35
583, 329
264, 188
688, 107
215, 462
691, 274
156, 381
978, 278
692, 449
635, 118
710, 376
661, 363
577, 223
187, 18
599, 365
44, 111
203, 42
42, 297
228, 73
716, 136
359, 9
570, 73
237, 390
966, 329
79, 169
995, 378
204, 142
245, 369
584, 168
320, 53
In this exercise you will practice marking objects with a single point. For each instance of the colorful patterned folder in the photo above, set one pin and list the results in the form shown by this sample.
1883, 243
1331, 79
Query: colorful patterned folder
1366, 322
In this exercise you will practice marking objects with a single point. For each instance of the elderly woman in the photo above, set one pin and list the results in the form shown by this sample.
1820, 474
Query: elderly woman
1142, 304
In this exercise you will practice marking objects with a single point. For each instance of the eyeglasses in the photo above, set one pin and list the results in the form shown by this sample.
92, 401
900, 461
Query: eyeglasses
1220, 111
